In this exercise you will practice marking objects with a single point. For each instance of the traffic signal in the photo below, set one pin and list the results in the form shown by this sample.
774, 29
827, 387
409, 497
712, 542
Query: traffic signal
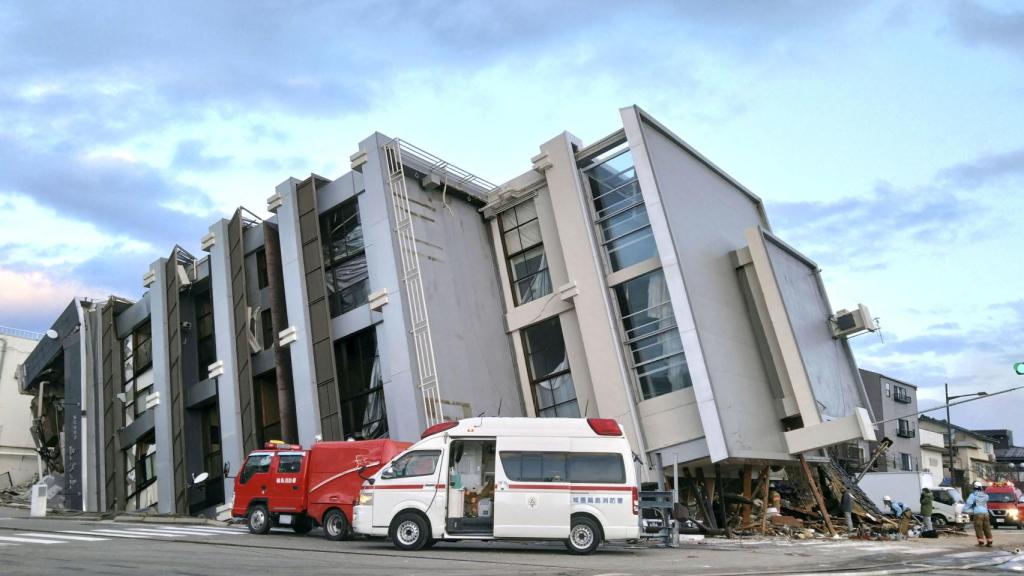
1019, 368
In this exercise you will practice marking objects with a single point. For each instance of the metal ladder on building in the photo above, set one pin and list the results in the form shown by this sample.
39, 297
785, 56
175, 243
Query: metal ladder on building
411, 280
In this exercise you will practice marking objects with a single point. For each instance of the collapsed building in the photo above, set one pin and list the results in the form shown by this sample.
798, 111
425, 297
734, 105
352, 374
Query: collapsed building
629, 278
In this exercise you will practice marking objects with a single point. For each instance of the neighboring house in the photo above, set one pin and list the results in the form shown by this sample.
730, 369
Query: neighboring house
18, 459
974, 454
1009, 458
630, 278
894, 403
933, 453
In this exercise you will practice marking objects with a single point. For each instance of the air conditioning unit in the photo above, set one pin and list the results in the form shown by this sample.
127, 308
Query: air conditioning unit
849, 322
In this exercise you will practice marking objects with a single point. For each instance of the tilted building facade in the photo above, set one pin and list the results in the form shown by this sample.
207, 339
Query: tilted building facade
630, 278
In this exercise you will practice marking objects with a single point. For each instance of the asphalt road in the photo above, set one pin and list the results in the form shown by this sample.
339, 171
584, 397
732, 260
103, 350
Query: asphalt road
68, 545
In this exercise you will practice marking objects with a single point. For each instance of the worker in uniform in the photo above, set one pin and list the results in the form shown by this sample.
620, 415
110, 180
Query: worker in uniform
902, 513
847, 506
926, 508
977, 507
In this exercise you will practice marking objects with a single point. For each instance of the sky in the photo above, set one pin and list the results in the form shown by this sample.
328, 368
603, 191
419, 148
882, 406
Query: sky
885, 138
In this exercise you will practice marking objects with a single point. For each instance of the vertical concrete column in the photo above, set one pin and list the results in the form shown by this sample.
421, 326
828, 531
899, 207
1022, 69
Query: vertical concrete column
224, 328
394, 340
307, 409
162, 386
74, 475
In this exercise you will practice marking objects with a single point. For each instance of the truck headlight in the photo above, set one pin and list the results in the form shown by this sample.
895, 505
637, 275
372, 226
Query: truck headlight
365, 498
1012, 513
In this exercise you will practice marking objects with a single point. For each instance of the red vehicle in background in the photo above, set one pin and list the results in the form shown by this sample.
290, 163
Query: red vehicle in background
285, 485
1004, 505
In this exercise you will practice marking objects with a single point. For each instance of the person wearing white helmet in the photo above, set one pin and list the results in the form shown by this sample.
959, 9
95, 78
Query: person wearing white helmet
902, 513
977, 507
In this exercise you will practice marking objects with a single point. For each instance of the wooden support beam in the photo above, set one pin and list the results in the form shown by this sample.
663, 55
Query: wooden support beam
766, 477
817, 496
745, 478
704, 499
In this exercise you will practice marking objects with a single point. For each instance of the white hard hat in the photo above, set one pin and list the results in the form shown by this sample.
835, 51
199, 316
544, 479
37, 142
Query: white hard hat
886, 499
977, 485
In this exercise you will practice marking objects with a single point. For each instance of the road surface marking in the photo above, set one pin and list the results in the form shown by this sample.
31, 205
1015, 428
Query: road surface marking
199, 530
63, 537
148, 532
114, 533
29, 540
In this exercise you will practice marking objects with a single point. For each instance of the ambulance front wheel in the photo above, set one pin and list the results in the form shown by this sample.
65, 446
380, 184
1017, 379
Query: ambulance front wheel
259, 519
410, 531
336, 525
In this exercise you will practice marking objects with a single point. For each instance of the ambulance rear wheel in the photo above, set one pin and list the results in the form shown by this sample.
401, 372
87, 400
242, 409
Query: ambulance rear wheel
410, 532
258, 519
336, 525
584, 536
302, 525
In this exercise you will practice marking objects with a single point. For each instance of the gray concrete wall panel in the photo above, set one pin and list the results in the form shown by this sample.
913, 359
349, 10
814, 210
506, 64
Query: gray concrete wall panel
162, 386
707, 216
176, 383
239, 335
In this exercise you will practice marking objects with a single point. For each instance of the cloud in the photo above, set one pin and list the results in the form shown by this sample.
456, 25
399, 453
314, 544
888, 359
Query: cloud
861, 231
32, 300
985, 170
976, 24
119, 197
192, 155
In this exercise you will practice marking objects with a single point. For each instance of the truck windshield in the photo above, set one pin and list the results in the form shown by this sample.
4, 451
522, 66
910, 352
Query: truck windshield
1001, 497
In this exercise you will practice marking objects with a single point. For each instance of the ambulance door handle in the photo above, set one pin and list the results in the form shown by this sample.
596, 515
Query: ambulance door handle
295, 487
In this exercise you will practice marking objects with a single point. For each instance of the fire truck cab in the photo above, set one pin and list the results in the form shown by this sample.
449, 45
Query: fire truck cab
1004, 505
286, 485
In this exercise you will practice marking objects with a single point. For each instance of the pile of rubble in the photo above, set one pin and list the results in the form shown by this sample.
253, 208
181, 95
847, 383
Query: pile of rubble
779, 501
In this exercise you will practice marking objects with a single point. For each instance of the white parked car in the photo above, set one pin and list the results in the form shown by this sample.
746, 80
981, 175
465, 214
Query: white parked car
569, 479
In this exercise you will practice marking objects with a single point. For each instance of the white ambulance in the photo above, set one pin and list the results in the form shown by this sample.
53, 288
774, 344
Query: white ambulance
569, 479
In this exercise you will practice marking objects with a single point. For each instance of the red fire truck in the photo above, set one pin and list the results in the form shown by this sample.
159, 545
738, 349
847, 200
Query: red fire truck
285, 485
1004, 505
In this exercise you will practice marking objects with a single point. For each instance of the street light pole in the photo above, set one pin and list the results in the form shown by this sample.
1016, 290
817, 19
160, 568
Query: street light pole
949, 428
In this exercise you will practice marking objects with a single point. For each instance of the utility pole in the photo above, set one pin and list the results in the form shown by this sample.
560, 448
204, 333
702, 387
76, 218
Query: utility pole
949, 435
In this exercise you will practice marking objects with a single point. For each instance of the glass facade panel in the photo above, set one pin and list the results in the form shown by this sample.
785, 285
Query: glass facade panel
361, 386
619, 212
345, 270
528, 267
548, 366
649, 326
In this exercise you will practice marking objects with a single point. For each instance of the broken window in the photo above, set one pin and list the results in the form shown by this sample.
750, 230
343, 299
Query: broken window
619, 211
361, 386
345, 270
262, 280
550, 378
649, 327
207, 347
524, 250
140, 474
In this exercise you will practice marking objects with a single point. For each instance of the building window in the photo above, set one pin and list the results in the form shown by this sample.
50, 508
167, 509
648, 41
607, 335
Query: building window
262, 280
524, 250
649, 327
550, 379
619, 211
212, 460
901, 394
206, 343
361, 386
888, 390
140, 474
344, 258
267, 407
905, 429
267, 325
137, 359
906, 462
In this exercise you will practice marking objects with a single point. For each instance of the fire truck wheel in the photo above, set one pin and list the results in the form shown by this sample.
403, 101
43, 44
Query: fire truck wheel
336, 525
409, 531
302, 525
259, 519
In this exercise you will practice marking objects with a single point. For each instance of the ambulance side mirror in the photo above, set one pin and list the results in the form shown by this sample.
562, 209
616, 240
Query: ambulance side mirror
227, 470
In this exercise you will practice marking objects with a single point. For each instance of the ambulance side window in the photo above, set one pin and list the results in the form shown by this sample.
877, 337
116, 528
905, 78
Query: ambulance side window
419, 463
289, 463
256, 464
